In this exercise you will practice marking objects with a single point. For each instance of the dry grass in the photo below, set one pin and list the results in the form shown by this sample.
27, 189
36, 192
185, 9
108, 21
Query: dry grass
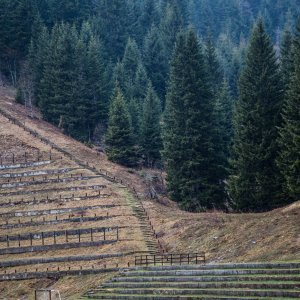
230, 237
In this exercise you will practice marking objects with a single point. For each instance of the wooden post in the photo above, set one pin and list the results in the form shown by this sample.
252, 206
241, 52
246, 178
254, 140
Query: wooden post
7, 240
104, 235
54, 236
19, 240
79, 236
13, 158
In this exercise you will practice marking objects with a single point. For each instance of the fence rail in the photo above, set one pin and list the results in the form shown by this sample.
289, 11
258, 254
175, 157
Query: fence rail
170, 259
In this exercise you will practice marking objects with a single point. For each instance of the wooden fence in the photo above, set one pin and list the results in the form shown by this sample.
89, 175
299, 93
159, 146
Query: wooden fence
170, 259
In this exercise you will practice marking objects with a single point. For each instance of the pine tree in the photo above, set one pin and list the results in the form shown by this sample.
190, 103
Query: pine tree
286, 58
174, 123
97, 86
189, 130
119, 138
150, 129
155, 58
112, 22
255, 184
214, 68
172, 22
224, 119
16, 19
289, 160
58, 83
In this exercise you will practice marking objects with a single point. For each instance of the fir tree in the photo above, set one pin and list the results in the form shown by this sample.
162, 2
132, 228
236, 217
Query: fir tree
255, 183
119, 138
189, 130
214, 68
58, 83
286, 58
289, 160
156, 61
150, 129
97, 85
224, 119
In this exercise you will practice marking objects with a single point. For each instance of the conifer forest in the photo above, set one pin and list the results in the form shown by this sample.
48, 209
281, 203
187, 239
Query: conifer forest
208, 91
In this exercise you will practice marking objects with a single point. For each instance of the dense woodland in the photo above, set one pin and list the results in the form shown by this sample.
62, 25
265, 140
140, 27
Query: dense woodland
208, 90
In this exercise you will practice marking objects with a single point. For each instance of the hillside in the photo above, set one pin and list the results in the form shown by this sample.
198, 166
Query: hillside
273, 236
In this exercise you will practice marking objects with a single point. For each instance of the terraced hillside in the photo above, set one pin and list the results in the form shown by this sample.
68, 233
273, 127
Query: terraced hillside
59, 217
228, 281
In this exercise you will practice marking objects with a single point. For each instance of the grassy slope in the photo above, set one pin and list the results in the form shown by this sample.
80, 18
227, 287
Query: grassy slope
224, 237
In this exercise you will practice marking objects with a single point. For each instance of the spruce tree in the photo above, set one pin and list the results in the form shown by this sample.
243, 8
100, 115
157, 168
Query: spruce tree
286, 58
97, 86
151, 142
189, 130
56, 95
214, 68
224, 118
289, 160
155, 59
255, 183
119, 137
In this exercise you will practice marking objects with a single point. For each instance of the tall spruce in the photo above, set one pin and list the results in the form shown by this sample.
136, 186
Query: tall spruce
286, 58
119, 137
289, 160
151, 142
189, 130
156, 61
255, 183
224, 114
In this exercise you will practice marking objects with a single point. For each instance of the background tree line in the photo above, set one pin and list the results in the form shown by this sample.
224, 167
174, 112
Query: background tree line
190, 86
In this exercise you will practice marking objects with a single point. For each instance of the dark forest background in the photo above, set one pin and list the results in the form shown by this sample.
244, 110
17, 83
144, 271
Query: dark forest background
207, 90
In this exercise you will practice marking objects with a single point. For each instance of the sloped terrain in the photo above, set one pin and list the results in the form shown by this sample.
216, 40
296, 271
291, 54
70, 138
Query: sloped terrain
55, 190
227, 281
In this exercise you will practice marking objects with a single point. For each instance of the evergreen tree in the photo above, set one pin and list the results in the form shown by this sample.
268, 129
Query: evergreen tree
156, 61
16, 19
289, 160
189, 130
214, 69
133, 80
119, 138
112, 23
255, 184
172, 22
286, 58
97, 86
224, 118
149, 16
150, 129
58, 83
